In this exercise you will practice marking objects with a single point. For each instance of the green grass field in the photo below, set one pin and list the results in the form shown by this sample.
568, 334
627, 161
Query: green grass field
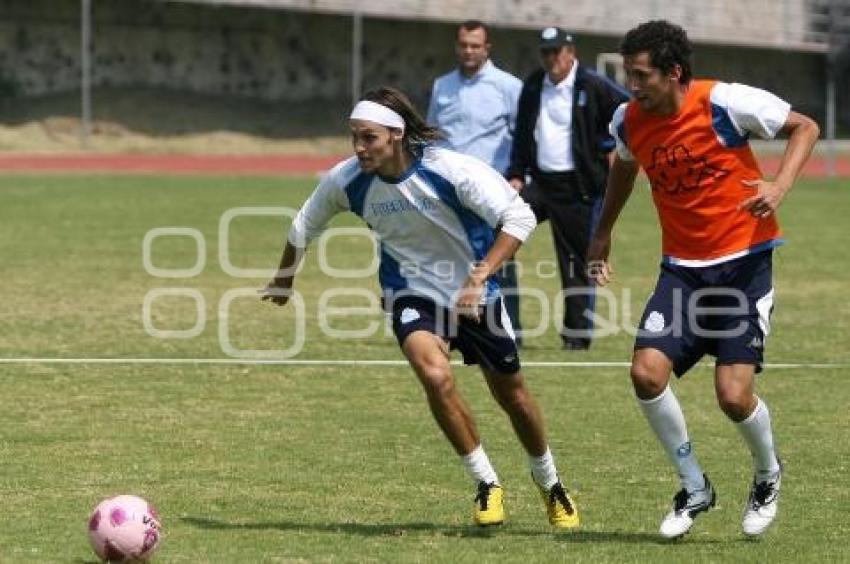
318, 463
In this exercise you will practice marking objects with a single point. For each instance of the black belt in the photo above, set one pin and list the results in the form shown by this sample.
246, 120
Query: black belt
557, 175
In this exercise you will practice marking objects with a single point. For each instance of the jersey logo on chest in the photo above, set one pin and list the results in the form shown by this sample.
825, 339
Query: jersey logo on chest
675, 170
401, 205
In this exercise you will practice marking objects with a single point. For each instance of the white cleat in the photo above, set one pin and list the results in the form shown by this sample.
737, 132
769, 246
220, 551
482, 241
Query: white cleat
686, 506
762, 505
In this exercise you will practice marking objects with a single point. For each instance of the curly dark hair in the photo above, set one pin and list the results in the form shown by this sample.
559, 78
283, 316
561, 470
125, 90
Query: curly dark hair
417, 133
667, 44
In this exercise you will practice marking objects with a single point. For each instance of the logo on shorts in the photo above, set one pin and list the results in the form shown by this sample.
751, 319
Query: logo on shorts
408, 315
756, 343
510, 358
654, 323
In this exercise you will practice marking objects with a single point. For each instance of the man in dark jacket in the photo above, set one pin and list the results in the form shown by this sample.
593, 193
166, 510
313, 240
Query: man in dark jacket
562, 143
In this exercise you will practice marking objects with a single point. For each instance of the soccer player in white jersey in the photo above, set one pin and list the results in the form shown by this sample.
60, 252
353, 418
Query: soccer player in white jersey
432, 208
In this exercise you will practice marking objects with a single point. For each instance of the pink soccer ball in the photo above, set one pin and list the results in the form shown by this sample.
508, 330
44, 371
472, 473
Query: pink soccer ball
124, 528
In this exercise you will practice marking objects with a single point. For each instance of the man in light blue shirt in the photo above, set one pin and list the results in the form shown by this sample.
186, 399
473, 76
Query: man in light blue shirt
475, 107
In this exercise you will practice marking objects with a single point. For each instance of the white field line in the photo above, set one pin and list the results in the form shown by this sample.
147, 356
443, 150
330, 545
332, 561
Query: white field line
361, 362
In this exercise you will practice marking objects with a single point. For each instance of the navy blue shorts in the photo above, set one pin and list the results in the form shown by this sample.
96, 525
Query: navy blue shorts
488, 342
721, 310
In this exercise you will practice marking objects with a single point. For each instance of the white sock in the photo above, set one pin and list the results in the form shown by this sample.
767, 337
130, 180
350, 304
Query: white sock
757, 433
667, 420
478, 466
543, 469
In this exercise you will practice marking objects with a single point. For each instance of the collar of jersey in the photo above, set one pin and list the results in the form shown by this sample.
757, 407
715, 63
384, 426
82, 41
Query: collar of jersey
404, 175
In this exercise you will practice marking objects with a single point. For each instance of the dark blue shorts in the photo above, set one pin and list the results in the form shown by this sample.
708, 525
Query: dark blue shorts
721, 310
489, 342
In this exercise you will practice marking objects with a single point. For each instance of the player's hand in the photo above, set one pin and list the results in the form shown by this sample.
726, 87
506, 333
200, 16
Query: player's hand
765, 201
277, 291
468, 303
598, 268
517, 184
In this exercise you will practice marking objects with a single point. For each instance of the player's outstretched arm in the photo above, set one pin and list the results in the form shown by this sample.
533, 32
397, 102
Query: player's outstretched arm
621, 180
802, 134
327, 200
279, 289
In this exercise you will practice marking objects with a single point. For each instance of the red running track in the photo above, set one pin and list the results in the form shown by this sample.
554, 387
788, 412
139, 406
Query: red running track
168, 164
817, 166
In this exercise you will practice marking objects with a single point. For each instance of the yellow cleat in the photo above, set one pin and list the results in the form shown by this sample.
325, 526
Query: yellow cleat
488, 505
562, 510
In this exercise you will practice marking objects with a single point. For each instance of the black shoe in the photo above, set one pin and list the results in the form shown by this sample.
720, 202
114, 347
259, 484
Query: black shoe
570, 345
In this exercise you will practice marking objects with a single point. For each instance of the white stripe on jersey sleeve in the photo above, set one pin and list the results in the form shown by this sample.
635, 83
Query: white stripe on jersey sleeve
614, 129
327, 200
485, 192
751, 109
518, 221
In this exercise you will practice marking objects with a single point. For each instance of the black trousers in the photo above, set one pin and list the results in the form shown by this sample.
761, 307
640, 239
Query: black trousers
572, 217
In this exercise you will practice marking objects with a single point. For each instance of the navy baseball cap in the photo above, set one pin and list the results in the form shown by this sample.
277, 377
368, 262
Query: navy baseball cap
555, 37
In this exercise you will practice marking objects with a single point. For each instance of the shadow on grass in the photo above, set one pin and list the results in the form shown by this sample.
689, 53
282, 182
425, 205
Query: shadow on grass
363, 529
627, 537
401, 529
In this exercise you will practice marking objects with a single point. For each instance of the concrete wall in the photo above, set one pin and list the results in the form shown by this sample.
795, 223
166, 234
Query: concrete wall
297, 56
761, 23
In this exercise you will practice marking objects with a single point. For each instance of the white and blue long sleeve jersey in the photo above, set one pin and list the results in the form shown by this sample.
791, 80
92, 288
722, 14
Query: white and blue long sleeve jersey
432, 223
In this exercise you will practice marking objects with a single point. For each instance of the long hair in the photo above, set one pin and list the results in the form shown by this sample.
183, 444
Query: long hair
417, 133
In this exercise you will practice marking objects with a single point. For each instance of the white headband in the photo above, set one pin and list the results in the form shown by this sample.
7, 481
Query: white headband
377, 113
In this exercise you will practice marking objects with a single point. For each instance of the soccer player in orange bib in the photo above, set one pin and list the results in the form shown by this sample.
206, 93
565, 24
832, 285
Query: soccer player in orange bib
718, 221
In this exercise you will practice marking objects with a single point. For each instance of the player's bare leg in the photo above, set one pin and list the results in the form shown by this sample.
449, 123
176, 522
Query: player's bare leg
429, 357
513, 396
